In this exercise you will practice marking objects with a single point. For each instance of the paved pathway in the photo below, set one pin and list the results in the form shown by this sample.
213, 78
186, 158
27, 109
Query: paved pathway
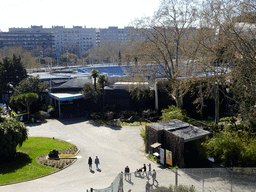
116, 148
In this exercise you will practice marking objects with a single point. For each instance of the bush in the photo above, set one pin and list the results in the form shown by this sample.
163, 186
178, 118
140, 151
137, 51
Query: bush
53, 112
216, 128
231, 120
96, 115
143, 134
110, 115
173, 113
12, 133
232, 149
41, 115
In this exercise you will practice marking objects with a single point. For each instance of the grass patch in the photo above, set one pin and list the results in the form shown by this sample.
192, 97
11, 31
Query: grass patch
24, 166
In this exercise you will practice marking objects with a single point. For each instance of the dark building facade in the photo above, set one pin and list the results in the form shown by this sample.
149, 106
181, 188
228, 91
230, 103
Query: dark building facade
27, 40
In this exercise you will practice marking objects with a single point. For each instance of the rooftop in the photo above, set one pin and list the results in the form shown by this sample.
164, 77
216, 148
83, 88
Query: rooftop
181, 129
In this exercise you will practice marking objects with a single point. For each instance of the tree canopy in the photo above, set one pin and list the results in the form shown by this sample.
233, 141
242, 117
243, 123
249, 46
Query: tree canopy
89, 92
30, 85
11, 73
12, 133
94, 74
25, 99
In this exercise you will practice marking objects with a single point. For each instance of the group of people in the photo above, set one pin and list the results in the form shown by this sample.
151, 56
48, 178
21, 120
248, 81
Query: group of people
96, 161
143, 170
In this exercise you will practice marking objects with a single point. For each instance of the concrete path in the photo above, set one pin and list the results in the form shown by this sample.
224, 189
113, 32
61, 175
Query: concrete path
116, 148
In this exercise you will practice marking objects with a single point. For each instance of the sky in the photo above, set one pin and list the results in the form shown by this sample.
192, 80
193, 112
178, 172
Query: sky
69, 13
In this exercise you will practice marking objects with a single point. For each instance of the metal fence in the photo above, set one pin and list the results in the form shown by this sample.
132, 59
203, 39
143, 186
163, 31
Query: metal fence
218, 179
116, 185
203, 180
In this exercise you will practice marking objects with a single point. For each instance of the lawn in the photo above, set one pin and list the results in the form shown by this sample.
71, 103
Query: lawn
24, 166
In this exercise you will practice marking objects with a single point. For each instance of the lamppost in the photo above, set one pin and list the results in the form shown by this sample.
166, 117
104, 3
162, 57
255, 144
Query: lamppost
41, 55
67, 57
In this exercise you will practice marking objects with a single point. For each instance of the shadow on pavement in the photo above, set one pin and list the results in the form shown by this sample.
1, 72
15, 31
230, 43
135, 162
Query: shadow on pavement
38, 123
129, 181
21, 160
74, 120
116, 128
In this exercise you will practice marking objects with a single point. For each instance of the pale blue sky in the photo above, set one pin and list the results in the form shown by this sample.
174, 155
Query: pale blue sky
89, 13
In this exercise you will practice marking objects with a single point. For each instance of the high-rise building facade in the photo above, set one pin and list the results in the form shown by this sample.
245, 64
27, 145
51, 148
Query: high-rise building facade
115, 33
28, 40
75, 40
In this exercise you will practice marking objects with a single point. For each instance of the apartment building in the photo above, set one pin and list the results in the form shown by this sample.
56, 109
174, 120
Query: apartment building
115, 33
73, 40
28, 40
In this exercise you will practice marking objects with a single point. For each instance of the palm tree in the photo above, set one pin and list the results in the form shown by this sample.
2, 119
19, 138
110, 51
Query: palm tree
94, 74
102, 81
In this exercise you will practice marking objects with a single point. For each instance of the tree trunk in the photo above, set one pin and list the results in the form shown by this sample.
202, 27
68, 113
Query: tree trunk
28, 111
94, 83
201, 99
217, 104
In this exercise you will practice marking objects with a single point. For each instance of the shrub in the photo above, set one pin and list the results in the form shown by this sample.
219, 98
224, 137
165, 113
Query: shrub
12, 133
53, 112
110, 115
232, 149
173, 113
95, 115
216, 128
61, 163
143, 134
231, 120
41, 115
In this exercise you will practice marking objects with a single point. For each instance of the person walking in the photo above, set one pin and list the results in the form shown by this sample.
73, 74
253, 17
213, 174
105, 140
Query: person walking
97, 161
154, 177
149, 169
90, 163
144, 169
127, 172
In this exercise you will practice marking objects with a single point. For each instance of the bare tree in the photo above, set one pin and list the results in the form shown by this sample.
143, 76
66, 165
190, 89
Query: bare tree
229, 54
167, 40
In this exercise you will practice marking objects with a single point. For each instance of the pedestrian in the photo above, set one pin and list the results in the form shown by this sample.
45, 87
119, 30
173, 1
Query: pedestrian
97, 161
90, 162
127, 172
154, 177
144, 169
149, 168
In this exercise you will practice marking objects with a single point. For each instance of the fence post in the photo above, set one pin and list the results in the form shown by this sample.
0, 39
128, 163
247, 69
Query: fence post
176, 176
231, 180
112, 187
203, 180
121, 182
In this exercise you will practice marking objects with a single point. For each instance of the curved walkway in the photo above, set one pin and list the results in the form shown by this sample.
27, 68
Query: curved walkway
116, 148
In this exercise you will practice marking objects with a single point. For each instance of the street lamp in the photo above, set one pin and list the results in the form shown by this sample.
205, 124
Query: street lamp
41, 55
67, 57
